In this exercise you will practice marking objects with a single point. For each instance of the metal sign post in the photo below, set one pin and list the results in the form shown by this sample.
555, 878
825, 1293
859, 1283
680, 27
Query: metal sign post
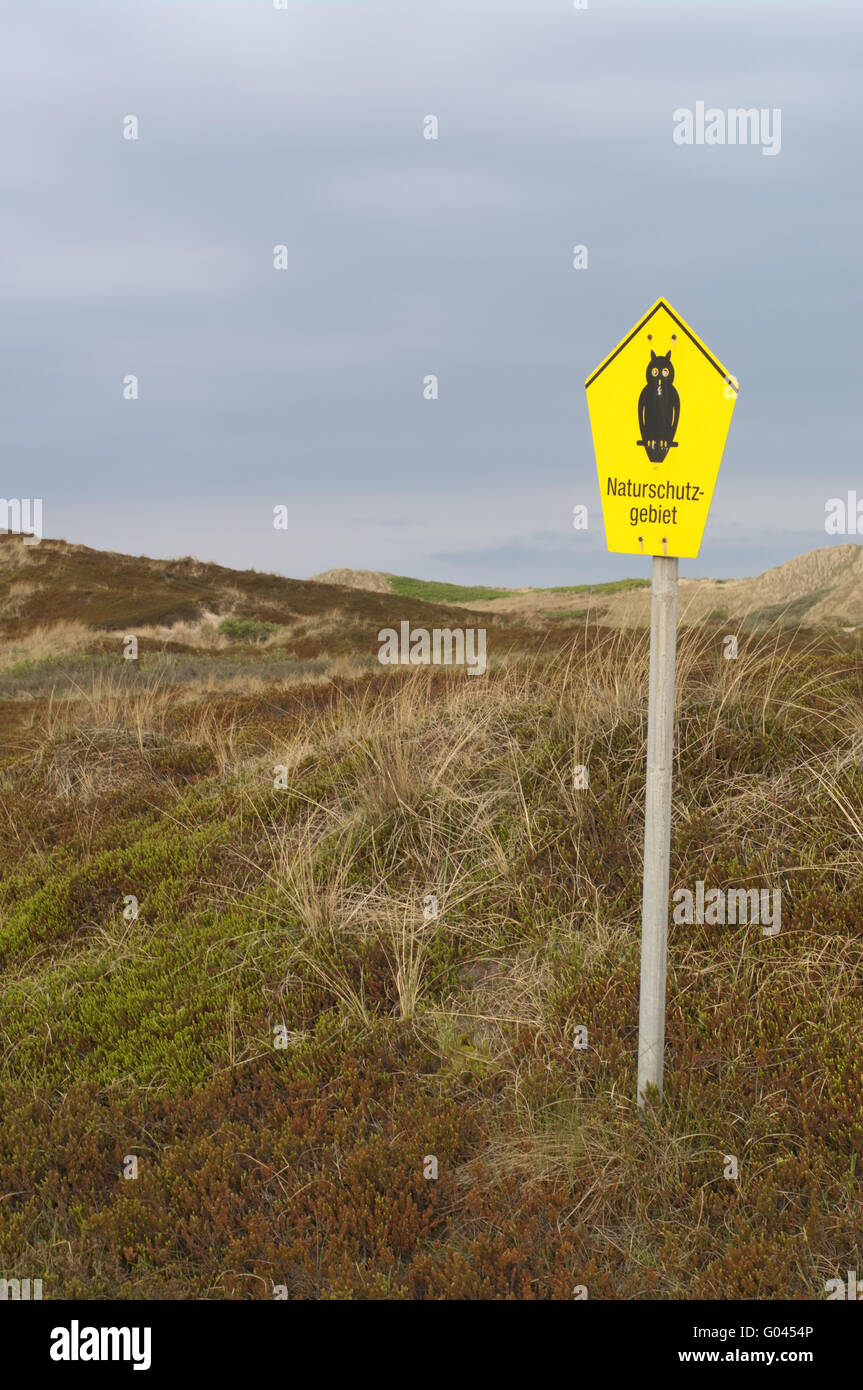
657, 823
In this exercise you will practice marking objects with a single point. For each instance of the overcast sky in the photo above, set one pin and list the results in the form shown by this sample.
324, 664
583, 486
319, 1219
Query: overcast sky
406, 257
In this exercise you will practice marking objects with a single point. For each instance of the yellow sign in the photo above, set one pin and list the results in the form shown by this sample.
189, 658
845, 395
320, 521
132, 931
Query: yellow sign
660, 406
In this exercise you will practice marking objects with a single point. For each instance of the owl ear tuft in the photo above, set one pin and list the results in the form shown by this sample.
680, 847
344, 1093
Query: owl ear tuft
668, 355
652, 355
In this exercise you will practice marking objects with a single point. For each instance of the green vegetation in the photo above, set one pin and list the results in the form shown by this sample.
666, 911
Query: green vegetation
612, 586
565, 613
435, 591
787, 614
246, 629
298, 914
283, 1032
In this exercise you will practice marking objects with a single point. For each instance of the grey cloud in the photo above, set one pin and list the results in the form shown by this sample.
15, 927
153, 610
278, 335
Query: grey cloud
408, 257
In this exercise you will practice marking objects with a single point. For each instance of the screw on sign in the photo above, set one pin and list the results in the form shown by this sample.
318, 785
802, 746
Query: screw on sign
660, 405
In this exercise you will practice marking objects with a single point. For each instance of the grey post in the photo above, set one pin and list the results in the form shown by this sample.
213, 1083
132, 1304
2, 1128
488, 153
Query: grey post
657, 823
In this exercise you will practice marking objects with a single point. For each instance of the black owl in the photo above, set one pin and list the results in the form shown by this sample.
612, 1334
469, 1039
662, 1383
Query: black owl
658, 408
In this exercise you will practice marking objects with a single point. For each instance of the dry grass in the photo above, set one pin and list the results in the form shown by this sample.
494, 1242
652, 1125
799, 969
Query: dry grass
454, 1032
47, 640
108, 705
14, 552
200, 633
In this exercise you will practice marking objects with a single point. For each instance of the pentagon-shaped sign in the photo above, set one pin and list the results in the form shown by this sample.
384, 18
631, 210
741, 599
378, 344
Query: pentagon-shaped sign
660, 406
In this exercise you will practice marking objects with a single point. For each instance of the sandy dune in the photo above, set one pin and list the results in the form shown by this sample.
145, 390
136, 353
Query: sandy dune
819, 587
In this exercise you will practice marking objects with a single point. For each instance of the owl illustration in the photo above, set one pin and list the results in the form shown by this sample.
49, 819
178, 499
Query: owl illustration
658, 408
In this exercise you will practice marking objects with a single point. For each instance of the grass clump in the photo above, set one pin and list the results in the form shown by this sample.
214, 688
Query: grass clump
246, 629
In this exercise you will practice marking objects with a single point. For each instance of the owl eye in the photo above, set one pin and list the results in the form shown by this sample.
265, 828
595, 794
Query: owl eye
654, 372
665, 371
